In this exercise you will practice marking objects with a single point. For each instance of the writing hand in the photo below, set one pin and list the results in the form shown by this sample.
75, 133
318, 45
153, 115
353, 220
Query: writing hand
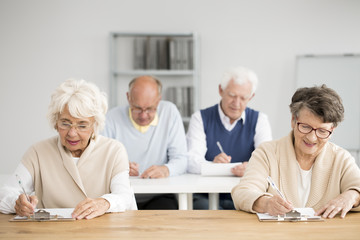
90, 208
23, 207
134, 169
239, 169
274, 206
222, 158
342, 203
156, 172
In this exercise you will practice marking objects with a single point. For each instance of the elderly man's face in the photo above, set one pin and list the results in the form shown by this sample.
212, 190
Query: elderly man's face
143, 99
74, 133
234, 99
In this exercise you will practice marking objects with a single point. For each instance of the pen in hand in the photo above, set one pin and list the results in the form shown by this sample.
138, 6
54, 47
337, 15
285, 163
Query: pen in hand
20, 184
273, 185
220, 147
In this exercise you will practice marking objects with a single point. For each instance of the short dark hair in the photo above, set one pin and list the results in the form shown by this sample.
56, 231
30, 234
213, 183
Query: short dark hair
320, 100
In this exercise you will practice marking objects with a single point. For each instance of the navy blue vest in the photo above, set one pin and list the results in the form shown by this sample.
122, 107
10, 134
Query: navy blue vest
237, 143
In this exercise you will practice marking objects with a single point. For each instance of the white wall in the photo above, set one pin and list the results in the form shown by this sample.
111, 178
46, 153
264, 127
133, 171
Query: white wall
44, 42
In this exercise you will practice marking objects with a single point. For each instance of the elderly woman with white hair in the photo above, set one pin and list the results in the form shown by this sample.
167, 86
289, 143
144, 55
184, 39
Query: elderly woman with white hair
78, 168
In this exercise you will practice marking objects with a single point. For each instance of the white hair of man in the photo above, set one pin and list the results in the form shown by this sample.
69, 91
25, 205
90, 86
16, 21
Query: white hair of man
83, 99
240, 75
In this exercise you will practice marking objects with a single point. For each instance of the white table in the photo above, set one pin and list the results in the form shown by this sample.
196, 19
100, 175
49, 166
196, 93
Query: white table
185, 185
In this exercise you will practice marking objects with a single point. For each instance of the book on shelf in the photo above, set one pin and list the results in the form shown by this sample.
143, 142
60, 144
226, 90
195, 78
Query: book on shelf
183, 98
163, 53
139, 53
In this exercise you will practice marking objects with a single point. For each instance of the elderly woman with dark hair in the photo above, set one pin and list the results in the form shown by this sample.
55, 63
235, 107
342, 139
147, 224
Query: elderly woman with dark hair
309, 170
78, 168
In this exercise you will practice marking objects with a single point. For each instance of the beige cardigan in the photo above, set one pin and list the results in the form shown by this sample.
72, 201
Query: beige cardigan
334, 172
59, 183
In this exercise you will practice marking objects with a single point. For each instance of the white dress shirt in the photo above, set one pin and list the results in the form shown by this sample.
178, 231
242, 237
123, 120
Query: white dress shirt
196, 138
11, 190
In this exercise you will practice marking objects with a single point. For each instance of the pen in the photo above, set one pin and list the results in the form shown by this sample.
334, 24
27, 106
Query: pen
272, 184
20, 184
220, 147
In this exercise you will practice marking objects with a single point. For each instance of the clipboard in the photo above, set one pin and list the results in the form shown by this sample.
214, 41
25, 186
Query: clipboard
42, 216
296, 215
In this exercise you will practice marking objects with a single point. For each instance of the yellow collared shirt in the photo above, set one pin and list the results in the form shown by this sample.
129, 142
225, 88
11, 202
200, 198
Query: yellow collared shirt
143, 129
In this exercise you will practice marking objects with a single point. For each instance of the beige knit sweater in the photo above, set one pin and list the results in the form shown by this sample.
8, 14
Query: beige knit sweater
334, 172
59, 183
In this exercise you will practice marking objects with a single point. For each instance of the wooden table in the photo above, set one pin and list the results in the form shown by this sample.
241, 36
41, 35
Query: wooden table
185, 185
179, 224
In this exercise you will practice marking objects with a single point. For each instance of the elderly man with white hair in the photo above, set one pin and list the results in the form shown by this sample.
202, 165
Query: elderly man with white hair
237, 128
77, 168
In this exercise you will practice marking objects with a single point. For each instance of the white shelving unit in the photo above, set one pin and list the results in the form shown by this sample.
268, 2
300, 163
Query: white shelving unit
170, 57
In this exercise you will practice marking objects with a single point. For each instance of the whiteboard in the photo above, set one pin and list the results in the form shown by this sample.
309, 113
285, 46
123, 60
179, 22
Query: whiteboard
341, 73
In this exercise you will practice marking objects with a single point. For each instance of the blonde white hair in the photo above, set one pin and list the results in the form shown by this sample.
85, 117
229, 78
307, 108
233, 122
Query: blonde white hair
240, 75
83, 100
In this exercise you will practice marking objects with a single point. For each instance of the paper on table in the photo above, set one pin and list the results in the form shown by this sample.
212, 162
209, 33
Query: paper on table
307, 214
217, 169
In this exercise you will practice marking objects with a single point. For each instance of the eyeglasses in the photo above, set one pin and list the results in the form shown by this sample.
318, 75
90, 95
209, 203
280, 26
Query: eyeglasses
140, 110
319, 132
83, 127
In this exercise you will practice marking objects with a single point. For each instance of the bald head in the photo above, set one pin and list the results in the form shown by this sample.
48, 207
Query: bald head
143, 97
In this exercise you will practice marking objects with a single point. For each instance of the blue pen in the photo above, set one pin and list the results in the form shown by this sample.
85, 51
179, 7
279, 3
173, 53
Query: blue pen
20, 184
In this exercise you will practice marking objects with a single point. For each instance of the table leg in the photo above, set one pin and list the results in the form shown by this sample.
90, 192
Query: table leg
183, 200
190, 201
213, 201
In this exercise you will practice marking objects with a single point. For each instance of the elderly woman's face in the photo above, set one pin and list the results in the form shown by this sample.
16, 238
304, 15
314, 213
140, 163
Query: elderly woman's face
309, 145
74, 132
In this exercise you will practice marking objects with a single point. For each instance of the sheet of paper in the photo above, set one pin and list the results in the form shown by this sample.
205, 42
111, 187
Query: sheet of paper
306, 213
217, 169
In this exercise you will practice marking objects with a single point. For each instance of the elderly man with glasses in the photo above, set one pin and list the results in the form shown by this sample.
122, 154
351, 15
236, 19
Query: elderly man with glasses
154, 136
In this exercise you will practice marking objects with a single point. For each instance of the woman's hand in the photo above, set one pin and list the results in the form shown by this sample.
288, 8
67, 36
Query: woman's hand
25, 208
342, 203
90, 208
272, 205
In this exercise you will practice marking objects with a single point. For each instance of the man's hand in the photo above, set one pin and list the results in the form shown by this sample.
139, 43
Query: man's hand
239, 169
156, 172
90, 208
222, 158
134, 169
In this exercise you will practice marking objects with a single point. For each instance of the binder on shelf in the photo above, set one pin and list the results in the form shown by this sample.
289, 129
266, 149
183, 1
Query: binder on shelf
139, 53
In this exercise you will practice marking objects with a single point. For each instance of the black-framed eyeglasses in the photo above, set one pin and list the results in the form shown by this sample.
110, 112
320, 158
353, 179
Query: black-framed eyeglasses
319, 132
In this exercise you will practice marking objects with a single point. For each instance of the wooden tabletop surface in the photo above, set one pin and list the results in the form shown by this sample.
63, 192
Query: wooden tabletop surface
181, 224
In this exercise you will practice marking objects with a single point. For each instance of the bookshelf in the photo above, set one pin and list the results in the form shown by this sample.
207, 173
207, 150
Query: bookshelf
170, 57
